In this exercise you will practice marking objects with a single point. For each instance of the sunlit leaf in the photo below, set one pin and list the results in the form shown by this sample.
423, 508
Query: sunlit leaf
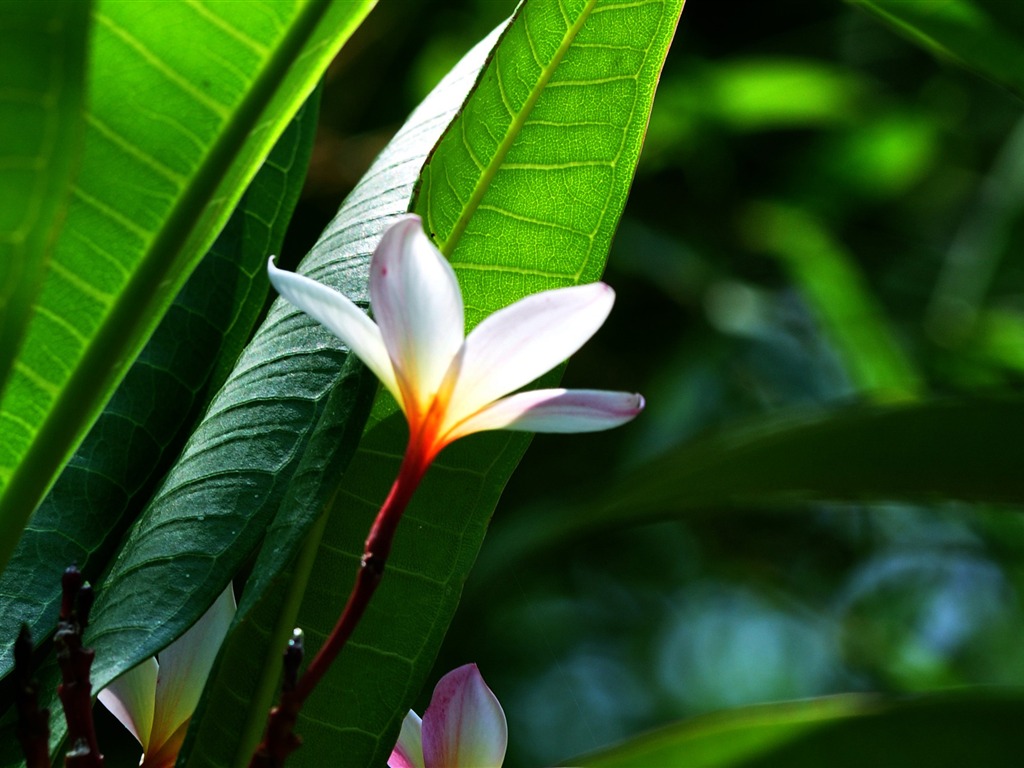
109, 478
42, 79
185, 102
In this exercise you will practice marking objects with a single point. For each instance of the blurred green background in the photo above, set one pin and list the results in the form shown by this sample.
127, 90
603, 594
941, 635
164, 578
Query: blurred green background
824, 213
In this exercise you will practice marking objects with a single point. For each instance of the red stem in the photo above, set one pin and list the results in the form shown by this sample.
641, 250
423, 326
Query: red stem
280, 739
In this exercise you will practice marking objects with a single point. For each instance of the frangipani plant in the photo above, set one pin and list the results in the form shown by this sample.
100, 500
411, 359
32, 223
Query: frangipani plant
462, 727
156, 699
447, 384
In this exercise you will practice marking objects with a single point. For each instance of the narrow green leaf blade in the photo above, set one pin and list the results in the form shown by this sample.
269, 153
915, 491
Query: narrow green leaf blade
186, 101
42, 87
986, 36
971, 727
840, 298
523, 193
108, 480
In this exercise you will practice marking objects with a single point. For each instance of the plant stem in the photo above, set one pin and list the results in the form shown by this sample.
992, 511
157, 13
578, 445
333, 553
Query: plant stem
75, 690
280, 739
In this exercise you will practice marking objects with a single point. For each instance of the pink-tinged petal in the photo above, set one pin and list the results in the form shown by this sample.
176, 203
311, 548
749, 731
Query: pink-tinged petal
517, 344
341, 317
408, 752
130, 698
417, 304
184, 666
464, 726
555, 410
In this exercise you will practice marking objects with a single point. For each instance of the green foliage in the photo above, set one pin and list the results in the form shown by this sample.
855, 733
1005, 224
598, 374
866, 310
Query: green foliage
171, 141
922, 452
42, 74
109, 480
984, 35
812, 296
370, 688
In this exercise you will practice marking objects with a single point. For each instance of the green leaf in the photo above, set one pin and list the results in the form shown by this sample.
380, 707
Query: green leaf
523, 193
973, 727
984, 35
837, 293
939, 450
42, 88
186, 101
111, 475
231, 718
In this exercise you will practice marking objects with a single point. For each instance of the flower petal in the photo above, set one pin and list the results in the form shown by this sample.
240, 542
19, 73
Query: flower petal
555, 410
130, 698
464, 726
341, 317
166, 756
517, 344
417, 304
184, 666
408, 752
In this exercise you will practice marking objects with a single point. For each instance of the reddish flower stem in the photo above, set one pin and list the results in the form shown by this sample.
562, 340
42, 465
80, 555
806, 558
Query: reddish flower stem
280, 739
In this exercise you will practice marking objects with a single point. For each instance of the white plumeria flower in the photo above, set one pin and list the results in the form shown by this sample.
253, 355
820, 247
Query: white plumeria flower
450, 385
463, 727
156, 699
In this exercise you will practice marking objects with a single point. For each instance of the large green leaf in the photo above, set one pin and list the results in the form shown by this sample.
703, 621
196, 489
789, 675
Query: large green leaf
42, 88
111, 475
938, 450
523, 193
984, 35
975, 727
185, 102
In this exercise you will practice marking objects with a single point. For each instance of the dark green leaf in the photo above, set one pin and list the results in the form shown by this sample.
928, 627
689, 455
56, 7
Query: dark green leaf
940, 450
984, 35
217, 501
243, 686
942, 730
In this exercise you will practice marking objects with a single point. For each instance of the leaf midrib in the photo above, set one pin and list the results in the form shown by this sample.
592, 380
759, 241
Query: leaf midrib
490, 170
